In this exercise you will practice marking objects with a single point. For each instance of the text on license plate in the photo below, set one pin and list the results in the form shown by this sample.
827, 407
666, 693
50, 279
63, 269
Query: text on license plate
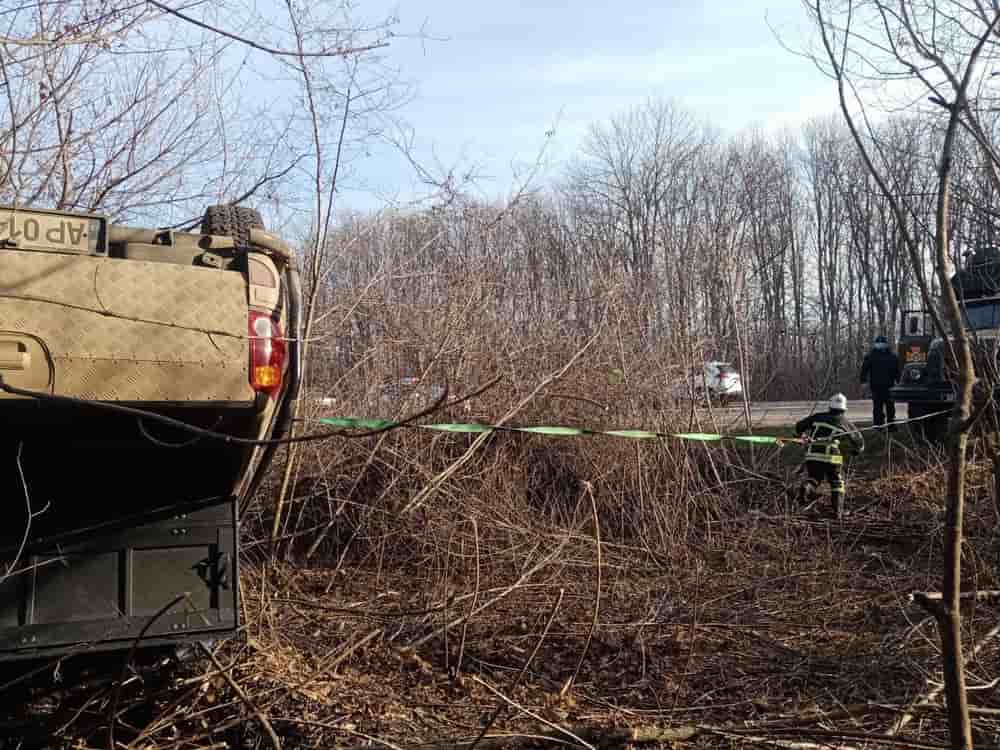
38, 230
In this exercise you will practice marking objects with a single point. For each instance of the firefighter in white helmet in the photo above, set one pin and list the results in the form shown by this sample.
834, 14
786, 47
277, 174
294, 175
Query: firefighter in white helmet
830, 435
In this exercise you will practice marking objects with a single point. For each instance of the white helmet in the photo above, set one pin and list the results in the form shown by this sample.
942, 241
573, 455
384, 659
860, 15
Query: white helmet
838, 401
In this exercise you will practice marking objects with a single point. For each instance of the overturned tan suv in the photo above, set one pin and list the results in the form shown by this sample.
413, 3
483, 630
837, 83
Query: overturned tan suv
119, 524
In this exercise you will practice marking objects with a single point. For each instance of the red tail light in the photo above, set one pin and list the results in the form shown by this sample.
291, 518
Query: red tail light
267, 353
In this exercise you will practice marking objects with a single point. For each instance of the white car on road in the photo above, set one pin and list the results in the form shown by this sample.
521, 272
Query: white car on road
718, 381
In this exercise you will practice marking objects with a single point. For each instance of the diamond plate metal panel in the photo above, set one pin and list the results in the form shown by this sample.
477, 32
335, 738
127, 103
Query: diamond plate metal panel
122, 380
131, 330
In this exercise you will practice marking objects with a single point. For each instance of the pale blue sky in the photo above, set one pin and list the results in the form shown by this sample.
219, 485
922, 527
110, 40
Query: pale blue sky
505, 73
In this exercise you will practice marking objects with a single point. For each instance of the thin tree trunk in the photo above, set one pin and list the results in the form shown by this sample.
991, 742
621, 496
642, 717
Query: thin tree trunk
947, 611
948, 614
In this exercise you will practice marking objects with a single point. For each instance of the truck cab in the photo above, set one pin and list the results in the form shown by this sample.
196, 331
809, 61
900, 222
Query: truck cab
921, 385
927, 383
915, 337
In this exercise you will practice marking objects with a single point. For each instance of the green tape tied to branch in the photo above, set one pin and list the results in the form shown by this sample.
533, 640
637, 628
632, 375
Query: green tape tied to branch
543, 430
633, 434
762, 439
555, 431
457, 427
359, 424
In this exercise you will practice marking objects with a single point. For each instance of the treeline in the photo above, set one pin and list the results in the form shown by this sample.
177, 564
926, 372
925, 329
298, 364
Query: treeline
663, 243
669, 242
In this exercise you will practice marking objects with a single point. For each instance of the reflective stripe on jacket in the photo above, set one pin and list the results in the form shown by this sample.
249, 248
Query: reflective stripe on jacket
826, 431
827, 452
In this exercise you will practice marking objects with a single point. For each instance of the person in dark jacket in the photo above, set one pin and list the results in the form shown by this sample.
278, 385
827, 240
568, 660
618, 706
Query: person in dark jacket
830, 435
881, 371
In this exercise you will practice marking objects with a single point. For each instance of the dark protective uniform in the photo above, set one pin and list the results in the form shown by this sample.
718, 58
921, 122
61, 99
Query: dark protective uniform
831, 433
881, 370
934, 370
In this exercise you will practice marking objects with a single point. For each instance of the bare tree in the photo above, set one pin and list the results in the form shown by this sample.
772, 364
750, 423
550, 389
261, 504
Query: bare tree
936, 50
124, 109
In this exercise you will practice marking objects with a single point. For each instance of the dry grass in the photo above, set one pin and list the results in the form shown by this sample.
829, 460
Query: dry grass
719, 603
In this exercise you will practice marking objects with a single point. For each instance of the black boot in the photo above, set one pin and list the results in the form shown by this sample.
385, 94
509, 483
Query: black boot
807, 492
837, 505
808, 495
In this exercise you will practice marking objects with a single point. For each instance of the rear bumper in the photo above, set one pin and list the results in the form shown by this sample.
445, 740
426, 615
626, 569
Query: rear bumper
728, 390
916, 394
102, 587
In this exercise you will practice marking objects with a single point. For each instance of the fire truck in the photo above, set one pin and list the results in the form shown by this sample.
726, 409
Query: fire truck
928, 384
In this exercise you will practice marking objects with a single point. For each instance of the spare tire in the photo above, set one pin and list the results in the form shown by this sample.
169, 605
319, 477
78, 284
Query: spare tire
231, 221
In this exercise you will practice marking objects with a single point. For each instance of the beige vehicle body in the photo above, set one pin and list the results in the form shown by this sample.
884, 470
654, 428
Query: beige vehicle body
201, 327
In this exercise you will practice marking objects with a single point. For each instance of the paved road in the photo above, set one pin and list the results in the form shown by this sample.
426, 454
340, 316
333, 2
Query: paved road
782, 413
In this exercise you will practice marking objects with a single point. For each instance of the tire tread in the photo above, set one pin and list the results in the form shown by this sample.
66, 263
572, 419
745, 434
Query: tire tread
231, 221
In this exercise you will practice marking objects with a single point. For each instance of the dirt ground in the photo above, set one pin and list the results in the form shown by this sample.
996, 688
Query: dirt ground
773, 624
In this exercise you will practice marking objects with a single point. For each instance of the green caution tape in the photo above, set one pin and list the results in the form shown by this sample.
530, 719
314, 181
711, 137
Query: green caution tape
763, 439
455, 427
361, 424
555, 431
634, 434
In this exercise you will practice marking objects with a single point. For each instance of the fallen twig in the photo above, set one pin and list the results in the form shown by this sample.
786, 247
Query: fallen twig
475, 600
524, 670
753, 735
337, 728
932, 694
514, 704
116, 693
241, 693
597, 595
473, 612
935, 596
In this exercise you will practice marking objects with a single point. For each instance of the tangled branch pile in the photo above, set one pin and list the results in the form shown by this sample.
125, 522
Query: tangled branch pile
703, 605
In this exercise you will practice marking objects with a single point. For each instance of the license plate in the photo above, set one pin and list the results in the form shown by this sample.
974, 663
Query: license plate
37, 230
